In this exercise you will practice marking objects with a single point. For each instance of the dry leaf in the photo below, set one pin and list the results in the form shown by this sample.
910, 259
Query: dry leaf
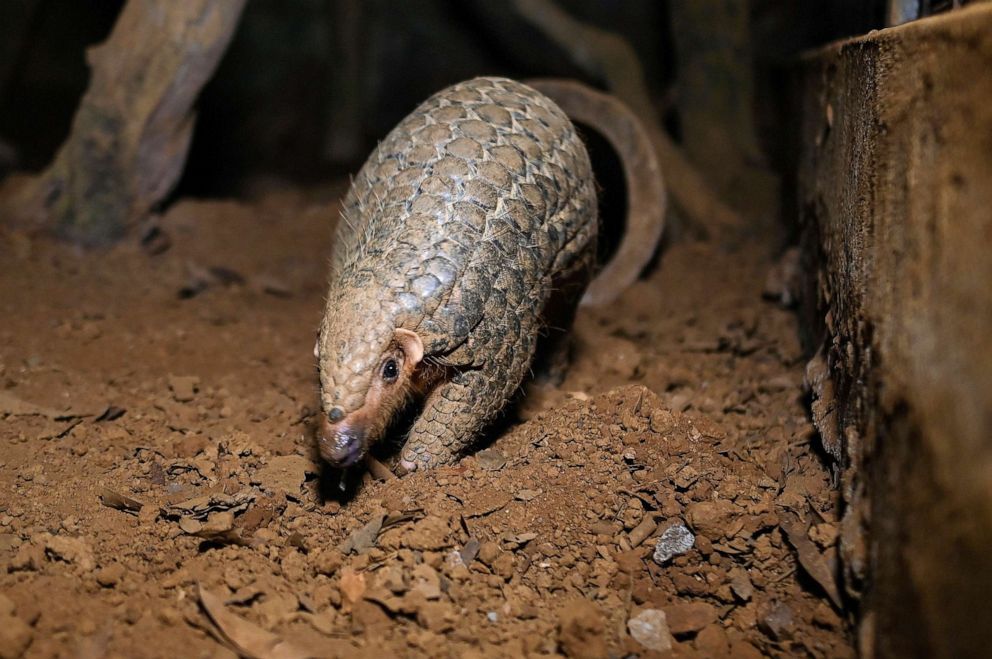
470, 551
809, 557
244, 637
364, 538
116, 501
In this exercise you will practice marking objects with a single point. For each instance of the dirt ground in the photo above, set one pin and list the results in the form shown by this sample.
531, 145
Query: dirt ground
160, 495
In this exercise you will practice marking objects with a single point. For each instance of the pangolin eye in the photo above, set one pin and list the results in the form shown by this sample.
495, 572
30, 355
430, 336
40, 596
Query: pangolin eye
390, 371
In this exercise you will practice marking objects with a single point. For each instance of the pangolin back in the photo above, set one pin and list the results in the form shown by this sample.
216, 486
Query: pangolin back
455, 228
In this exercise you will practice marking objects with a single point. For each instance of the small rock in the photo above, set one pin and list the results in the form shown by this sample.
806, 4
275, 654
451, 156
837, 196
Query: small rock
779, 623
741, 584
490, 459
527, 495
676, 539
650, 629
328, 561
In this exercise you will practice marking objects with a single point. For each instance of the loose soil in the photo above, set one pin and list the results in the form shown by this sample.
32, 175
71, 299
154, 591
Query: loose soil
160, 493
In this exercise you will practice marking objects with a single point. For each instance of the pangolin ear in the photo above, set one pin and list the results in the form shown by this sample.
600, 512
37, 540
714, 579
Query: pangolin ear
412, 346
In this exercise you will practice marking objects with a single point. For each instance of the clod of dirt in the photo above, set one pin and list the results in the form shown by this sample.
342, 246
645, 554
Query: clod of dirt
284, 474
429, 534
650, 629
642, 531
352, 585
437, 617
675, 540
184, 387
527, 495
218, 527
712, 641
11, 405
581, 630
15, 634
75, 551
712, 519
689, 617
15, 637
110, 576
779, 623
427, 582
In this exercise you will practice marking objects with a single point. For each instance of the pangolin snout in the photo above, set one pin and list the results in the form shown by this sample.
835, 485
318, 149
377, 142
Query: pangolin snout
341, 444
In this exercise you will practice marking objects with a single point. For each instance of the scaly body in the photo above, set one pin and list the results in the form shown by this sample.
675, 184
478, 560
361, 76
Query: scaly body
453, 237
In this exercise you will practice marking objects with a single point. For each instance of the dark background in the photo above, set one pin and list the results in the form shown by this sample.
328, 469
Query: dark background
308, 86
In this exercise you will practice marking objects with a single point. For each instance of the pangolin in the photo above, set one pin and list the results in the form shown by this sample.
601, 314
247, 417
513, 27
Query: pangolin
469, 223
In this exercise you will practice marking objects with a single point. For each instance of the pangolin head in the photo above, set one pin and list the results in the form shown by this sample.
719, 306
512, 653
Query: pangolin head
366, 365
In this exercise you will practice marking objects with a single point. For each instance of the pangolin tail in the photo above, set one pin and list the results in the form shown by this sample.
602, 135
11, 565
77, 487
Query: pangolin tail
646, 197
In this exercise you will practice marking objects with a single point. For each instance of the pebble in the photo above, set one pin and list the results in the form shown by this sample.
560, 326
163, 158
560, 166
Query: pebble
650, 629
675, 540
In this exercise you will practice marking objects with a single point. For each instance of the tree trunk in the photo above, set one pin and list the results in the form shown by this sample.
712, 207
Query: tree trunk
132, 130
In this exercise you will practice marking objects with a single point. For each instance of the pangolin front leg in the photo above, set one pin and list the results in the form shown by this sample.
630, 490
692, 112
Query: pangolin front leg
454, 414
